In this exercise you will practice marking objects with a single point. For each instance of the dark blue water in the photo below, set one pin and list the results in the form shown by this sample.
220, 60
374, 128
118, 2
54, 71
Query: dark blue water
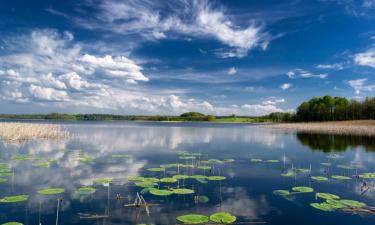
245, 193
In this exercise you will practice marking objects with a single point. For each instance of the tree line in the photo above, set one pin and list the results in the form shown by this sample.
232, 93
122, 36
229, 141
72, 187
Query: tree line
328, 108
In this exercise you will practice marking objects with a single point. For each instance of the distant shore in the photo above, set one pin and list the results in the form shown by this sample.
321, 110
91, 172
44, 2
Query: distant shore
353, 127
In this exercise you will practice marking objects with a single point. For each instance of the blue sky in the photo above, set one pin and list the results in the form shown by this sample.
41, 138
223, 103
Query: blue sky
169, 57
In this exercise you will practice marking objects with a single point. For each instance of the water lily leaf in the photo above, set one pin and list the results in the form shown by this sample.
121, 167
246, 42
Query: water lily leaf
319, 178
303, 189
256, 160
160, 192
347, 167
193, 219
281, 192
186, 157
12, 223
3, 180
327, 196
157, 169
103, 181
339, 177
353, 203
42, 165
86, 190
146, 190
323, 206
204, 167
168, 180
151, 179
216, 178
336, 203
302, 170
223, 217
120, 156
183, 191
325, 164
288, 174
203, 199
367, 175
24, 157
136, 178
6, 174
15, 198
146, 184
228, 160
272, 161
181, 176
51, 191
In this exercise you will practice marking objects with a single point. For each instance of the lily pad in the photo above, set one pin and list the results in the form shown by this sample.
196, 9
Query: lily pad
326, 164
367, 176
120, 156
51, 191
157, 169
216, 178
302, 170
136, 178
193, 219
15, 198
223, 217
2, 180
324, 206
181, 176
203, 199
103, 180
256, 160
272, 161
42, 165
24, 157
281, 192
228, 160
319, 178
327, 196
146, 184
347, 167
12, 223
204, 167
353, 203
288, 174
86, 190
183, 191
168, 180
160, 192
303, 189
339, 177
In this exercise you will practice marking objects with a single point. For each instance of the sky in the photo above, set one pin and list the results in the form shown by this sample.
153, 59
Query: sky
155, 57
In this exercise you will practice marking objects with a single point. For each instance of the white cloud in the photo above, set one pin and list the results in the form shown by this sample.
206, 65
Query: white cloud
359, 85
189, 18
300, 73
286, 86
273, 101
43, 93
232, 71
366, 58
335, 66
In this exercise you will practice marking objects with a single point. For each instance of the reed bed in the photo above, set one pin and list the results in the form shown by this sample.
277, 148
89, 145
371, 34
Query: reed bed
356, 127
20, 132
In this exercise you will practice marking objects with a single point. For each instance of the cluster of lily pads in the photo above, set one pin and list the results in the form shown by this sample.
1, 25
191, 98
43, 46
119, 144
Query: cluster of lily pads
220, 217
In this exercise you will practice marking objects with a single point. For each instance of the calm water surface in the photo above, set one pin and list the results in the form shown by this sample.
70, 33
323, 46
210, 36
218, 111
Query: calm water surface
246, 192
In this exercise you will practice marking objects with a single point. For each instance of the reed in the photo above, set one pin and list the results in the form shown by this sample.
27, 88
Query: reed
355, 127
20, 132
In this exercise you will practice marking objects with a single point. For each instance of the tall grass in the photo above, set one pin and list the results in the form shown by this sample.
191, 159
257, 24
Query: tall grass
355, 127
19, 132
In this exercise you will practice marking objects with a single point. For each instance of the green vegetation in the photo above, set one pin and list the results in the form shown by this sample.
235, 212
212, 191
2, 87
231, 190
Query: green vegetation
51, 191
223, 217
193, 219
15, 198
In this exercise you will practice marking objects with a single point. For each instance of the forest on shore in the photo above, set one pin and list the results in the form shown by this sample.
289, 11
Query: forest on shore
326, 108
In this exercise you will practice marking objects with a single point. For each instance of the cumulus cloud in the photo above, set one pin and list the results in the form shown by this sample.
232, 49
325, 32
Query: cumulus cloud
359, 85
286, 86
232, 71
366, 58
159, 19
335, 66
300, 73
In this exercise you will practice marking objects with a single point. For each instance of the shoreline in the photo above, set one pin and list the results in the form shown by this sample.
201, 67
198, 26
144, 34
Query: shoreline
353, 127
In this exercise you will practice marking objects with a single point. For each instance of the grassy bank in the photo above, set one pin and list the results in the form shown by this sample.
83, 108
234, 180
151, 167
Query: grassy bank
354, 127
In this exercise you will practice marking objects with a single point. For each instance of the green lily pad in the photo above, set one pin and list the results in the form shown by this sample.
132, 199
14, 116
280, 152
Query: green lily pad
367, 175
326, 164
193, 219
302, 170
103, 181
183, 191
86, 190
146, 184
323, 206
303, 189
24, 157
42, 165
136, 178
339, 177
223, 217
3, 180
319, 178
12, 223
281, 192
228, 160
216, 178
15, 198
288, 174
6, 174
272, 161
256, 160
168, 180
347, 167
157, 169
160, 192
120, 156
204, 167
203, 199
185, 157
181, 177
51, 191
151, 179
327, 196
353, 203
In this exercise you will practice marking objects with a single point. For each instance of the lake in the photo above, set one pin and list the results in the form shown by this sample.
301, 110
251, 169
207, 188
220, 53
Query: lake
232, 168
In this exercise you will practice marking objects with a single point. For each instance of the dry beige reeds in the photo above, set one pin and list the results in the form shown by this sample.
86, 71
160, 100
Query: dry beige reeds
19, 132
355, 127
